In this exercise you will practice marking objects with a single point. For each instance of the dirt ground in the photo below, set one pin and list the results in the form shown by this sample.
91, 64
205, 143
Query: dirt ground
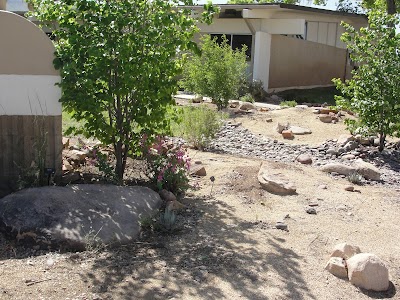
225, 246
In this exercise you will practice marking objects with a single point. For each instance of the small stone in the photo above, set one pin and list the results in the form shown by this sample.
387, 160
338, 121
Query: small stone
311, 211
349, 188
268, 120
281, 225
287, 134
312, 204
247, 106
50, 262
348, 157
304, 159
198, 170
325, 118
167, 195
322, 187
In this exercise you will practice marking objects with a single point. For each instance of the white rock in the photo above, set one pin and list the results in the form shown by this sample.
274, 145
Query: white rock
338, 168
337, 267
367, 271
279, 127
299, 130
344, 250
367, 170
304, 159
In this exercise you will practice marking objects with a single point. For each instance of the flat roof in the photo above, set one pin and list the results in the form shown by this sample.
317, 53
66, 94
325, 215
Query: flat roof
282, 6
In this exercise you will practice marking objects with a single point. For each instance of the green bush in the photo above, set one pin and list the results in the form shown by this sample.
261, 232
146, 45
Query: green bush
218, 73
197, 125
288, 103
247, 98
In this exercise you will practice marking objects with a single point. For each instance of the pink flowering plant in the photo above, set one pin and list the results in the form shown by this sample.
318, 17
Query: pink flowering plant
168, 164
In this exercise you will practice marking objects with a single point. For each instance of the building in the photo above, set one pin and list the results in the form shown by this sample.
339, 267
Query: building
289, 46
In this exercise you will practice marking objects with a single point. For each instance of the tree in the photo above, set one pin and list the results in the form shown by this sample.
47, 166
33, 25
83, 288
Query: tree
374, 91
389, 6
218, 73
348, 6
119, 61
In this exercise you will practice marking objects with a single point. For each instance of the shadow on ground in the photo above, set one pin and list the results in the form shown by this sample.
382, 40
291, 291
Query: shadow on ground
207, 259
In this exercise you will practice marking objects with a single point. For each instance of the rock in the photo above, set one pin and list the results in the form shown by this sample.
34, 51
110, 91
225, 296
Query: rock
264, 109
311, 211
351, 145
287, 134
65, 142
326, 110
325, 118
367, 271
296, 130
268, 120
234, 103
197, 98
77, 156
67, 217
337, 168
349, 188
304, 159
344, 250
322, 186
198, 170
175, 205
279, 127
70, 177
367, 170
301, 106
345, 138
281, 225
275, 182
167, 195
247, 106
337, 266
348, 157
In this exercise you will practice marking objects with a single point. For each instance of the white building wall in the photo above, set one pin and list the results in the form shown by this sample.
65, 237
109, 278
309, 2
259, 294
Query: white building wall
262, 57
25, 95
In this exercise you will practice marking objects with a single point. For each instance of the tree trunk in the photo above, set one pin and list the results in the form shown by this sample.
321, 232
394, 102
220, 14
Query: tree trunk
382, 138
119, 166
391, 7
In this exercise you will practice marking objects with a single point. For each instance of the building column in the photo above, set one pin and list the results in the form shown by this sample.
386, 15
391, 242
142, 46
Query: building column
262, 56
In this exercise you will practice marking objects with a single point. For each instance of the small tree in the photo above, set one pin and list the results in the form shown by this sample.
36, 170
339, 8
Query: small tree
119, 61
218, 73
374, 90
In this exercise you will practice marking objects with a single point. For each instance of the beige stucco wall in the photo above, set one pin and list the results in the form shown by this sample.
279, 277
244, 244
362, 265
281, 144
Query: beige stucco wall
3, 4
299, 63
26, 52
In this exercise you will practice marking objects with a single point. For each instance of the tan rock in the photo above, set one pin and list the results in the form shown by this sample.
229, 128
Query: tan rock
304, 159
337, 267
345, 138
175, 205
349, 188
279, 127
367, 170
275, 182
367, 271
198, 170
297, 130
167, 195
247, 106
325, 118
337, 168
344, 250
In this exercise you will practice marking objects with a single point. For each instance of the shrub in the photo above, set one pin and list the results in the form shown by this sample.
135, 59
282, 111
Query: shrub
218, 73
256, 90
355, 178
247, 98
373, 92
288, 103
197, 125
168, 164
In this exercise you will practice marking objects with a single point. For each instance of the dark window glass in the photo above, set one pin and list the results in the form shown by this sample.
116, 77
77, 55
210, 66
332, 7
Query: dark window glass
240, 40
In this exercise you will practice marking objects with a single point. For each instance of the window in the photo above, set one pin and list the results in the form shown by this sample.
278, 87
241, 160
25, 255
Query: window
236, 41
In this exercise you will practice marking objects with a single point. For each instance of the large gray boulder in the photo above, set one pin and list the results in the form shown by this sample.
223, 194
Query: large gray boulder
68, 218
367, 170
338, 168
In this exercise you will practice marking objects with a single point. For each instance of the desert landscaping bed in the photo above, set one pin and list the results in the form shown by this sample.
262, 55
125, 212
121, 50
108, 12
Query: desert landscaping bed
225, 244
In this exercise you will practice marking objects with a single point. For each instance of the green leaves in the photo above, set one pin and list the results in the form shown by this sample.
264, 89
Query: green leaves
217, 73
119, 61
374, 90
